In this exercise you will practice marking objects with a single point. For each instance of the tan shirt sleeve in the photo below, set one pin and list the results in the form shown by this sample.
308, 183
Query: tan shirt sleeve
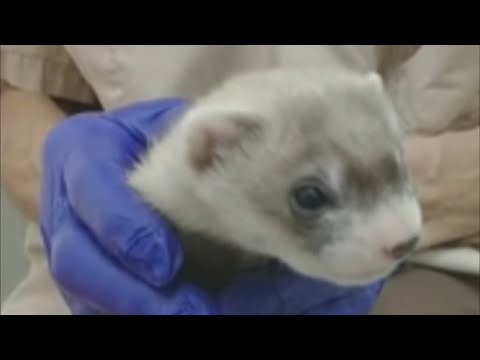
437, 89
44, 68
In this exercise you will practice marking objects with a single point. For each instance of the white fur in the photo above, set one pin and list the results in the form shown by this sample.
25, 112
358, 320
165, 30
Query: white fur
373, 234
215, 203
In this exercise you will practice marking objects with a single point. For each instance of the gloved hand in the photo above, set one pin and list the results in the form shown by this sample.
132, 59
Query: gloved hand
110, 253
276, 290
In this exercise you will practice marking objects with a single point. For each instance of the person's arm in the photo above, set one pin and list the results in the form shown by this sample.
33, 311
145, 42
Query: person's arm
33, 78
446, 170
26, 118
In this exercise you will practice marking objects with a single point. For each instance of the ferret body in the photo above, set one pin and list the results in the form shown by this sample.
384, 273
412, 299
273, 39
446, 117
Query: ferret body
300, 166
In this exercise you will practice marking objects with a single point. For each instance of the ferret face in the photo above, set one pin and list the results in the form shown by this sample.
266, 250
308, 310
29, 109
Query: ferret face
311, 175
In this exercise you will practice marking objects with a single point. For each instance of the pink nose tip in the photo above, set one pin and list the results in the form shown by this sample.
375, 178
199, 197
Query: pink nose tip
403, 249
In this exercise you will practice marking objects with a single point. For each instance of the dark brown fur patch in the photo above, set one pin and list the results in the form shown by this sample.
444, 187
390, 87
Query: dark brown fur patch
368, 182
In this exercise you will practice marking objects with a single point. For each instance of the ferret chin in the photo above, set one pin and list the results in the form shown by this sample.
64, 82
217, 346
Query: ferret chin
302, 166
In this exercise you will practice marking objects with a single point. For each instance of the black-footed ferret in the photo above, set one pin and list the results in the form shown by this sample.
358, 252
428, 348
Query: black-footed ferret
301, 166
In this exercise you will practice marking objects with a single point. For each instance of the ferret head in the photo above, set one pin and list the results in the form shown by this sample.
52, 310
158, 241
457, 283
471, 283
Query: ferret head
307, 169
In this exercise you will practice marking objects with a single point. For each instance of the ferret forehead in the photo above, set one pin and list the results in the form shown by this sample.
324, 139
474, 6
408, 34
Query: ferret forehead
360, 124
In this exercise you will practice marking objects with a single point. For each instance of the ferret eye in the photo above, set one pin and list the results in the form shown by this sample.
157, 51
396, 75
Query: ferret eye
308, 198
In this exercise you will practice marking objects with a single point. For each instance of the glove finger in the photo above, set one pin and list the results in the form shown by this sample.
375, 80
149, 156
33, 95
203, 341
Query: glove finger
92, 278
123, 224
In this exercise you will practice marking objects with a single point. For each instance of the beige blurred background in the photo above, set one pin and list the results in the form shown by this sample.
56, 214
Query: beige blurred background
12, 241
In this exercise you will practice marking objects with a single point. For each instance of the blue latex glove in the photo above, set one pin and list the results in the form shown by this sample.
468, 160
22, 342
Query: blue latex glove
110, 253
276, 290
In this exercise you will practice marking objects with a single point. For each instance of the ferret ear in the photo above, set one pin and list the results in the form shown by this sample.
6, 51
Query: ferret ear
212, 140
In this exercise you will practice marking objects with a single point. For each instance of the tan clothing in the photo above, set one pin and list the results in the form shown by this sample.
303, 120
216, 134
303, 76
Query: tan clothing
37, 294
435, 88
44, 68
418, 291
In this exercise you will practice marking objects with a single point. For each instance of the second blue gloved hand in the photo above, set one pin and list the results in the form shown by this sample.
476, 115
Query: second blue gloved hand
110, 253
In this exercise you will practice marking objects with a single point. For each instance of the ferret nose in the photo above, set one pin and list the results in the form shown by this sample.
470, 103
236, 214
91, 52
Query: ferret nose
401, 250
